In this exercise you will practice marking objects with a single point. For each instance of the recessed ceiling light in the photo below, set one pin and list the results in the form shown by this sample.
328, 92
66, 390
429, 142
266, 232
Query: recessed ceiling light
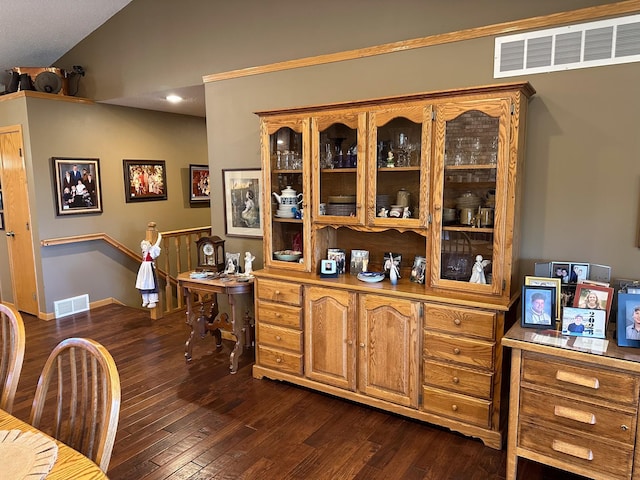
174, 98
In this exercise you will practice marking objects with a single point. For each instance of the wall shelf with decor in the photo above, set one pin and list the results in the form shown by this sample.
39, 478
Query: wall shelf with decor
426, 181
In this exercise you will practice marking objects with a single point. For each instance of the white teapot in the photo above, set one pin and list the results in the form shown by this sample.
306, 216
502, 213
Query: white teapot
288, 197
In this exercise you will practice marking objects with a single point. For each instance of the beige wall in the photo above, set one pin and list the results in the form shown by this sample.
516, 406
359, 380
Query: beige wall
111, 134
581, 185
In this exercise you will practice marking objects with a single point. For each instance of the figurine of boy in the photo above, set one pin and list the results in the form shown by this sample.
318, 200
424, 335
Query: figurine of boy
147, 280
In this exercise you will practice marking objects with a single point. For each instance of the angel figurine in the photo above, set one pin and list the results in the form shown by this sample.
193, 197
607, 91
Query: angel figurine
248, 263
478, 270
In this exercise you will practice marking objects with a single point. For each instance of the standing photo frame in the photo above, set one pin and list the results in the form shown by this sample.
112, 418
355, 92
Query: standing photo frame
628, 321
538, 306
242, 193
548, 282
200, 184
584, 322
594, 297
76, 185
144, 180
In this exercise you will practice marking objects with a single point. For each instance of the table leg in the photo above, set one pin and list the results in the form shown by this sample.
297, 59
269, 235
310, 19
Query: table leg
188, 346
237, 326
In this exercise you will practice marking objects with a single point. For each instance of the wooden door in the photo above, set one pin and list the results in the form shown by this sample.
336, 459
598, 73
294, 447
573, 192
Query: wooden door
330, 336
388, 344
18, 221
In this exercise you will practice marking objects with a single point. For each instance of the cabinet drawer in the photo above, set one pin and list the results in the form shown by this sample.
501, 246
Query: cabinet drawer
288, 362
277, 291
278, 314
462, 350
458, 379
612, 461
461, 321
582, 417
280, 337
586, 379
453, 405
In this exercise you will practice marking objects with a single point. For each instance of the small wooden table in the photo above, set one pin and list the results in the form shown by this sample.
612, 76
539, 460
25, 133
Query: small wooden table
212, 322
70, 464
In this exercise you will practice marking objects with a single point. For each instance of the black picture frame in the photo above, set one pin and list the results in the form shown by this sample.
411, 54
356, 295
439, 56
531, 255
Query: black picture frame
199, 184
68, 173
1, 220
532, 294
627, 304
144, 180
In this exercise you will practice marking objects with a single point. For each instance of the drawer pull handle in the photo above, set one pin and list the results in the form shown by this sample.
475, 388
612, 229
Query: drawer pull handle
278, 360
349, 342
581, 380
573, 450
624, 428
456, 351
456, 380
573, 414
278, 315
454, 408
362, 345
278, 337
457, 321
276, 293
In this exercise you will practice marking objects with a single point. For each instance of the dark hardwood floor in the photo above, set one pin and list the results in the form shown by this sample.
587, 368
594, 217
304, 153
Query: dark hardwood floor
197, 421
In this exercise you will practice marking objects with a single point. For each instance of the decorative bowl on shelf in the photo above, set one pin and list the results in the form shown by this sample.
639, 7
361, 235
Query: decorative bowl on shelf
371, 277
288, 255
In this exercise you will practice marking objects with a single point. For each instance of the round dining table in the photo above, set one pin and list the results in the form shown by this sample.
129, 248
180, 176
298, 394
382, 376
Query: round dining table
69, 464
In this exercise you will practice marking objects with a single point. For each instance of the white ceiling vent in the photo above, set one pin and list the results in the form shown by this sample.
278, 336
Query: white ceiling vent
584, 45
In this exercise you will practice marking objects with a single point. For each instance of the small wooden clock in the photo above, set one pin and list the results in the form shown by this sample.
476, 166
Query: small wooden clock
210, 254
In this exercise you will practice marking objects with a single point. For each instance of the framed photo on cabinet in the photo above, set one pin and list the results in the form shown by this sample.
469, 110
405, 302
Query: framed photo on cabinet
200, 186
548, 282
242, 193
593, 297
538, 306
144, 180
76, 183
628, 322
584, 322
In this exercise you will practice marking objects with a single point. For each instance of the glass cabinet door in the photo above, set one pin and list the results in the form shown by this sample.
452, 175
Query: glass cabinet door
287, 232
469, 206
398, 174
338, 153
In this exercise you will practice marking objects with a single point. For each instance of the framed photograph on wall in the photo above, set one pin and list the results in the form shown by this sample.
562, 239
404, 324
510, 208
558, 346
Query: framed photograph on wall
76, 185
593, 297
200, 186
628, 322
584, 322
242, 193
144, 180
538, 306
1, 220
548, 282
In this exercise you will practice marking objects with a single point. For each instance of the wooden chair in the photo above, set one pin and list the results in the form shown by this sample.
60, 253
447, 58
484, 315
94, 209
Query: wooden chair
11, 355
85, 412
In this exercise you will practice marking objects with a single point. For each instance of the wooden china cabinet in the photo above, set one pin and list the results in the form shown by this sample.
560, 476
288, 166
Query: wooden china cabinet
433, 176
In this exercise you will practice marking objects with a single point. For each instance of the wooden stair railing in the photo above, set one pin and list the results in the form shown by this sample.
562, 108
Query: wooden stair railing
176, 251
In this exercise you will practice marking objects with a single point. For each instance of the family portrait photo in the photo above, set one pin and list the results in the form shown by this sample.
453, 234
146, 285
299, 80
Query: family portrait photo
144, 180
77, 185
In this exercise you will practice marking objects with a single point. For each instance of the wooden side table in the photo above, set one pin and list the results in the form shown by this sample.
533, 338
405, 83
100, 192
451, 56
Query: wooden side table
573, 404
199, 321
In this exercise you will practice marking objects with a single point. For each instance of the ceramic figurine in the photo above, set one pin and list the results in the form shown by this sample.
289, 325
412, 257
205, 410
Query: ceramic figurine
383, 212
406, 213
390, 160
394, 274
478, 270
248, 263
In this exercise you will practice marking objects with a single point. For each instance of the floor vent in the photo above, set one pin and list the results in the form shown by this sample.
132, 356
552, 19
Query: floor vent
69, 306
584, 45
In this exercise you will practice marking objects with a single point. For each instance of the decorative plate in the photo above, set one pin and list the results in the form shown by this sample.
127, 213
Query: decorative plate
26, 455
371, 277
288, 255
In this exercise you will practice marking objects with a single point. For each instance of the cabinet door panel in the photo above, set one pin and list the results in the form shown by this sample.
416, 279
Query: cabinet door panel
330, 335
388, 345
